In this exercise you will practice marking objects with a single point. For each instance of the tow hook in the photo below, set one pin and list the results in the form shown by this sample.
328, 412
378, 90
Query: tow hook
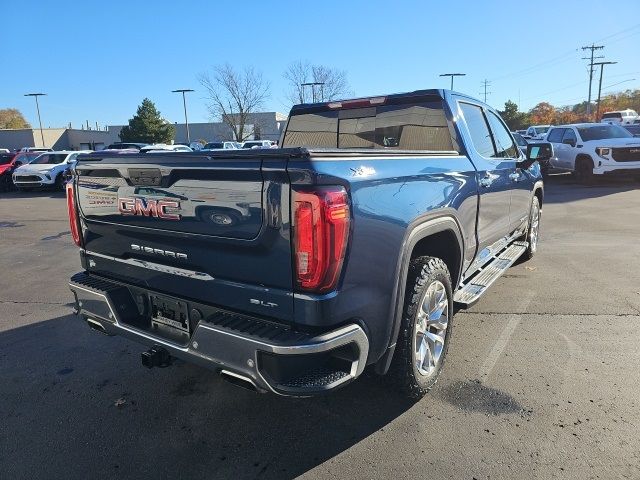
156, 357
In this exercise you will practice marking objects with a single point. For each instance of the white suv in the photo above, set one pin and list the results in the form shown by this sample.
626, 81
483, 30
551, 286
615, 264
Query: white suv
621, 117
590, 149
46, 170
536, 132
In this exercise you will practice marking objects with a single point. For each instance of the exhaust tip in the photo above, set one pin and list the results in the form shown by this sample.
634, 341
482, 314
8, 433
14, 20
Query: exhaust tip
240, 381
96, 325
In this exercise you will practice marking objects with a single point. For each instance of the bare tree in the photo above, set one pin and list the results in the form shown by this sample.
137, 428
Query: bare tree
234, 96
330, 83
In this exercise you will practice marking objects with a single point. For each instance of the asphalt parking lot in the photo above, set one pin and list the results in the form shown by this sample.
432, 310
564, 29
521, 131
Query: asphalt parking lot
541, 381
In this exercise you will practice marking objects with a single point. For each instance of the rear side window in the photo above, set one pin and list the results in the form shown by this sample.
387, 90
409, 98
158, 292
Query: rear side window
505, 146
422, 126
478, 129
569, 134
555, 135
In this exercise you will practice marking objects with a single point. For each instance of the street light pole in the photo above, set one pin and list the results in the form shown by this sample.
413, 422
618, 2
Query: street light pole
36, 95
313, 90
602, 64
184, 104
452, 75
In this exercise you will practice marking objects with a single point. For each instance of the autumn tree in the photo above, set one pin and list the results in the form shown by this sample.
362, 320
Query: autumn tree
12, 118
147, 126
330, 83
234, 97
543, 114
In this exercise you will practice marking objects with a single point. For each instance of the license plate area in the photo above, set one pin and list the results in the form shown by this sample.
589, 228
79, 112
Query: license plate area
169, 315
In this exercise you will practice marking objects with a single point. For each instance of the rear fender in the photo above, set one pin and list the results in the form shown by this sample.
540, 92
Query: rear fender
417, 231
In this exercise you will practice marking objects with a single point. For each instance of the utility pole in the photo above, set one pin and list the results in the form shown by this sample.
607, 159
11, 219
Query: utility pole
602, 64
36, 95
593, 48
452, 75
485, 84
313, 86
184, 104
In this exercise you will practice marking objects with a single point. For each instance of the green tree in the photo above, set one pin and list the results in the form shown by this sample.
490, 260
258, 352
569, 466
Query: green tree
12, 118
147, 126
514, 119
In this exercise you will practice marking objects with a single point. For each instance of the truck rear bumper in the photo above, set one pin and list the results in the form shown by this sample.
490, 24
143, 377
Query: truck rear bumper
270, 356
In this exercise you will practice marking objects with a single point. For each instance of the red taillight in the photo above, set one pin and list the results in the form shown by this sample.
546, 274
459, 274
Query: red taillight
320, 233
74, 224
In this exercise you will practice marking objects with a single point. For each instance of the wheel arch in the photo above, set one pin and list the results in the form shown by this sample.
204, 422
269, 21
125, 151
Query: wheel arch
438, 237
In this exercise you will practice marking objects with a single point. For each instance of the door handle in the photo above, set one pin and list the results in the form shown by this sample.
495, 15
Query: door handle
486, 181
515, 176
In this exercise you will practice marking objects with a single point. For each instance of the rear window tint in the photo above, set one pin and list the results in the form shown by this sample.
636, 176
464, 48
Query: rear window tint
422, 126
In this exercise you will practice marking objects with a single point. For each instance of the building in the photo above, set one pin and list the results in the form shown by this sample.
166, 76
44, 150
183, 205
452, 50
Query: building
260, 126
56, 138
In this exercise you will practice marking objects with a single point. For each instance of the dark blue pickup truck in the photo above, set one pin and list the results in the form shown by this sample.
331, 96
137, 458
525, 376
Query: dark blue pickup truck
292, 269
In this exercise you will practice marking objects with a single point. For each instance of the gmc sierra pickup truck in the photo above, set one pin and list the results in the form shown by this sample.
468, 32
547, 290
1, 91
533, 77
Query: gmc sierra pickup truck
290, 270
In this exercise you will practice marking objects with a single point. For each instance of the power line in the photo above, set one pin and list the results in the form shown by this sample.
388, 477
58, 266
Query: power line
593, 48
485, 83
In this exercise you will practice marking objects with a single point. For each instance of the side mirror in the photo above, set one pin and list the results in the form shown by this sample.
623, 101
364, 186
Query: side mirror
536, 152
569, 141
17, 164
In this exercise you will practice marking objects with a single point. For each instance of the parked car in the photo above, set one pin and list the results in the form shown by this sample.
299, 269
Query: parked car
537, 132
594, 149
161, 148
36, 149
633, 129
621, 117
221, 146
521, 142
9, 162
259, 144
354, 246
46, 171
126, 146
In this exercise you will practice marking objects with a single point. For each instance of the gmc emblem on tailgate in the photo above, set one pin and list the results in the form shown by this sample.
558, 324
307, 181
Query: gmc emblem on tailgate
148, 208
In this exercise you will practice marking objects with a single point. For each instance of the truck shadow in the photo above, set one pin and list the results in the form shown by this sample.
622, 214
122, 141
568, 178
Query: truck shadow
45, 193
79, 405
564, 188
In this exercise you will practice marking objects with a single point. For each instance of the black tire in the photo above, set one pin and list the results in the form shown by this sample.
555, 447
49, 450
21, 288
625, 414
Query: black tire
533, 230
426, 274
60, 182
584, 170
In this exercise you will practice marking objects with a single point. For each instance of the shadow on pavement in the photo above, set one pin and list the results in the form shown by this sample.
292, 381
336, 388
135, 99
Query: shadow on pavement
48, 193
564, 188
77, 404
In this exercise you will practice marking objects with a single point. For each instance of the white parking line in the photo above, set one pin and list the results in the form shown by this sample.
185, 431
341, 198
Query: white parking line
498, 347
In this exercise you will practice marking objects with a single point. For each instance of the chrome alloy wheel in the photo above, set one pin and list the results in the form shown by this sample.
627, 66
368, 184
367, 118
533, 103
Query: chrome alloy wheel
534, 229
431, 329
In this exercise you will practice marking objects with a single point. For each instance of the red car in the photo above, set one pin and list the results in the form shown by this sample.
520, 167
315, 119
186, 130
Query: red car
9, 162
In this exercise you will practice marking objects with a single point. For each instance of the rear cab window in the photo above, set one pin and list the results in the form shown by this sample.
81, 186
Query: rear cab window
419, 125
478, 129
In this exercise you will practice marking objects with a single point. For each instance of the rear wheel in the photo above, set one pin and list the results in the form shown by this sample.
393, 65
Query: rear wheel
424, 335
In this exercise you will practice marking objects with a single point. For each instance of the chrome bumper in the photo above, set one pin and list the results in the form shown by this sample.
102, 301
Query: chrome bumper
273, 357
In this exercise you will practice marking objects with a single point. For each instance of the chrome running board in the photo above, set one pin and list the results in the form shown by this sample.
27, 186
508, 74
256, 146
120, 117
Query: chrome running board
471, 289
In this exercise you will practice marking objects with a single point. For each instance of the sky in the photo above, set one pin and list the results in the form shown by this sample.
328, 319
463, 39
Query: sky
97, 60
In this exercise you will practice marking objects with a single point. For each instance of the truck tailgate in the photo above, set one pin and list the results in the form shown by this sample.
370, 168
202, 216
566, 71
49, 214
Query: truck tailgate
207, 227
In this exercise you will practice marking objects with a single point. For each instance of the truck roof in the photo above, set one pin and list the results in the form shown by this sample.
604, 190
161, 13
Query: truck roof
433, 92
